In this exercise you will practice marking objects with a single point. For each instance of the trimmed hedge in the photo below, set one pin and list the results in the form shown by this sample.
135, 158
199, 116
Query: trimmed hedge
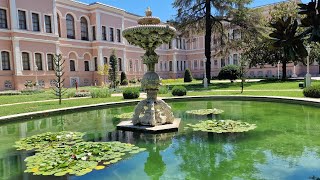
131, 93
100, 93
123, 78
187, 76
163, 90
179, 91
312, 91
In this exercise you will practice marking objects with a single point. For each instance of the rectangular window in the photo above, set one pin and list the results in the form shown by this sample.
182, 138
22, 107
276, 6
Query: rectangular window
235, 59
38, 58
104, 33
170, 45
72, 65
47, 20
95, 64
94, 33
35, 22
111, 37
118, 35
50, 62
26, 61
22, 20
105, 60
215, 62
3, 19
170, 65
223, 62
5, 60
184, 44
195, 64
86, 66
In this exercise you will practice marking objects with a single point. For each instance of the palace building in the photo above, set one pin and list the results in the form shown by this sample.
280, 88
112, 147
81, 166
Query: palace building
32, 31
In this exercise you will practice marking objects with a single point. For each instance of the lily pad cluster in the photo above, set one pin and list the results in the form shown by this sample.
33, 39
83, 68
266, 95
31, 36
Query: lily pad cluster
49, 139
124, 115
71, 156
222, 126
205, 111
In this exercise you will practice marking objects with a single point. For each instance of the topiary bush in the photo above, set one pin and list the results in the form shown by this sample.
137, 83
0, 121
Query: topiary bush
131, 93
122, 78
312, 91
187, 76
230, 72
179, 91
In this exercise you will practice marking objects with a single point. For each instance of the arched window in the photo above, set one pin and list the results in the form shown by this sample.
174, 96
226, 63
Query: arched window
5, 60
84, 29
26, 61
70, 27
72, 65
59, 26
38, 58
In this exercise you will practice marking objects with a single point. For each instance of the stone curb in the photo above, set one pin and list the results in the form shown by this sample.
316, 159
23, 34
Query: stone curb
31, 115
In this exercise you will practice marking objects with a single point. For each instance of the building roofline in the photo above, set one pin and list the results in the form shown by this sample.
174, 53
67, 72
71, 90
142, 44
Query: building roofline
273, 4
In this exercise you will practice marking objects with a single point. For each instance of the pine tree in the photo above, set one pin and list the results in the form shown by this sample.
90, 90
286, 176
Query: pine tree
187, 76
59, 72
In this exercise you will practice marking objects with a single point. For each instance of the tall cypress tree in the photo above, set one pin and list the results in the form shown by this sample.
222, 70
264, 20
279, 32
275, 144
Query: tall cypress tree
113, 71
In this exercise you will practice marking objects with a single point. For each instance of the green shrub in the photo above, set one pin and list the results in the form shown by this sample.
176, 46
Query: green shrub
230, 72
179, 91
100, 93
133, 81
82, 93
187, 76
123, 77
31, 91
125, 82
312, 91
10, 93
131, 93
163, 90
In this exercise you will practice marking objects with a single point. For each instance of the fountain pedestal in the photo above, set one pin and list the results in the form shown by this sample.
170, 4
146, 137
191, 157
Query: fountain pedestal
151, 114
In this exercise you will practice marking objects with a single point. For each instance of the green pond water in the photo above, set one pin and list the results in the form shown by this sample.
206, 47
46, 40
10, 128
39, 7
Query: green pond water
285, 144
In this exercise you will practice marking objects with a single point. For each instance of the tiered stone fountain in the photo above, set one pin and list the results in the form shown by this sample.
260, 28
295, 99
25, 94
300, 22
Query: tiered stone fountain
151, 114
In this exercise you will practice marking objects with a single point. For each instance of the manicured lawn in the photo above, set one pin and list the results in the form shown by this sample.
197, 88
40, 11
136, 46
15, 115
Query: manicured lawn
264, 88
33, 107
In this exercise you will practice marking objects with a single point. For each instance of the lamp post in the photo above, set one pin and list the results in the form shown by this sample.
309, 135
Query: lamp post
36, 69
308, 75
205, 80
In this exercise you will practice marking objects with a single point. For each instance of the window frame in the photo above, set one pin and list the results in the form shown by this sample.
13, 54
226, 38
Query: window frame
37, 23
111, 34
86, 66
84, 34
8, 62
4, 19
95, 61
74, 65
104, 33
52, 64
118, 34
40, 66
25, 22
45, 23
29, 63
68, 27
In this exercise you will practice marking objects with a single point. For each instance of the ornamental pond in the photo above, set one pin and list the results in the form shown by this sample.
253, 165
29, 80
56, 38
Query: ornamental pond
285, 144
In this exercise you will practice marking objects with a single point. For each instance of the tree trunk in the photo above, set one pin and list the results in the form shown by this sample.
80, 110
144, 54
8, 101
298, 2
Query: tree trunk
284, 70
208, 40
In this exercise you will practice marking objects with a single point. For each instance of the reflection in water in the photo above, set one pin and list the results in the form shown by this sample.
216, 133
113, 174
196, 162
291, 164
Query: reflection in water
282, 147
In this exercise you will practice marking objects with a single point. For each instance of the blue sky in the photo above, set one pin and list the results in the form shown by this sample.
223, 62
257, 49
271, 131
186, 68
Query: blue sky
160, 8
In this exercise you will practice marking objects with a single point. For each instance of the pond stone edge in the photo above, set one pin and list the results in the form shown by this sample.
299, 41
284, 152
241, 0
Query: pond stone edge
45, 113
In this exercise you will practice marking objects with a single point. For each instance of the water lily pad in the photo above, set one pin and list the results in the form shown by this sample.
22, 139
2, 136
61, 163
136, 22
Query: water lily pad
222, 126
49, 140
205, 111
79, 159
